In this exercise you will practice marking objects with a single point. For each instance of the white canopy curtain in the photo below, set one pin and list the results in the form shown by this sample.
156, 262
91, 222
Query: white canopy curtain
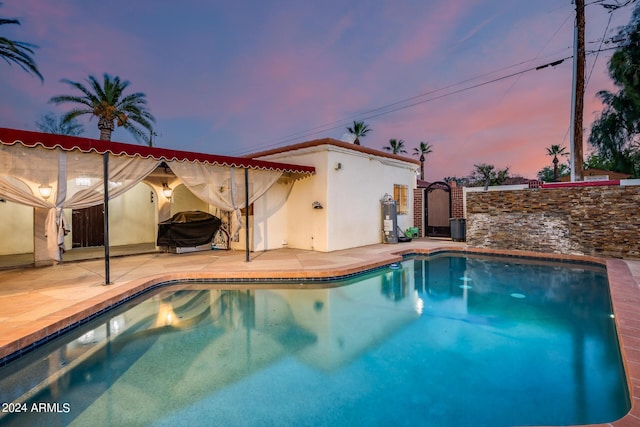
74, 179
222, 187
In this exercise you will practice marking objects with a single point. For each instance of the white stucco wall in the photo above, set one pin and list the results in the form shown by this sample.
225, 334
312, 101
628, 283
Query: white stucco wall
350, 196
132, 217
270, 218
16, 228
297, 224
183, 200
354, 194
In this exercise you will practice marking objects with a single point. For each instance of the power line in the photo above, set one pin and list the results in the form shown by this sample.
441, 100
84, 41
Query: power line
360, 115
401, 104
541, 50
598, 51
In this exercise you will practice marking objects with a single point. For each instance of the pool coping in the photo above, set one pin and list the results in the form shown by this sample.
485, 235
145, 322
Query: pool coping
625, 298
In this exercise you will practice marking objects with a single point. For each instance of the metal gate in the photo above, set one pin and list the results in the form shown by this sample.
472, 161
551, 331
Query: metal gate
437, 209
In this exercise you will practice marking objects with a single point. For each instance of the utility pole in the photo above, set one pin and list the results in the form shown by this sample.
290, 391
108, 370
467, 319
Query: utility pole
577, 102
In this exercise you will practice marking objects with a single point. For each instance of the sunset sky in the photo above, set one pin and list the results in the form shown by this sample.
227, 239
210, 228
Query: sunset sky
238, 77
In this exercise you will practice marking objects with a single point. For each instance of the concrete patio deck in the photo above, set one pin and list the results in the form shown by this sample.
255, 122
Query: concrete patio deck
36, 303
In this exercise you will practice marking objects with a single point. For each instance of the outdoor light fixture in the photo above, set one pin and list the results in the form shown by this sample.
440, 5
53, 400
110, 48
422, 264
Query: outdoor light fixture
338, 166
166, 190
316, 205
45, 191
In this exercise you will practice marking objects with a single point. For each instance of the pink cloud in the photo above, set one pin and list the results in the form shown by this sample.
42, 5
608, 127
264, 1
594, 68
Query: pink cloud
421, 40
300, 68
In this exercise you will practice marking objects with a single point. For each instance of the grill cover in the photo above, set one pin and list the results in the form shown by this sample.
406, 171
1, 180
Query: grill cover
188, 229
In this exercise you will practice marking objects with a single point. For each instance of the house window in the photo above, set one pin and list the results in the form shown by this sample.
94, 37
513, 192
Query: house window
400, 196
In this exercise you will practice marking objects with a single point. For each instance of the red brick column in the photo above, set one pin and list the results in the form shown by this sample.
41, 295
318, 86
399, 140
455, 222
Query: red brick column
418, 210
457, 201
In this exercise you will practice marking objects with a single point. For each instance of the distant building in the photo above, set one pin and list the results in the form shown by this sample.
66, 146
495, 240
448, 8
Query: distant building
599, 174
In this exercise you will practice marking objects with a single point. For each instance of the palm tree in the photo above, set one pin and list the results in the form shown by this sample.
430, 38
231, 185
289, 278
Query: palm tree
50, 123
556, 150
18, 52
110, 106
395, 146
423, 149
359, 129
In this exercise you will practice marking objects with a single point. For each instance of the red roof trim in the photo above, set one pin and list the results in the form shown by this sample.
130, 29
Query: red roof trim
335, 143
86, 145
579, 184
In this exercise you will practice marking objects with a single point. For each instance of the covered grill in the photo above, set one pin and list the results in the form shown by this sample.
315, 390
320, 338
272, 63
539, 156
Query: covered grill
188, 229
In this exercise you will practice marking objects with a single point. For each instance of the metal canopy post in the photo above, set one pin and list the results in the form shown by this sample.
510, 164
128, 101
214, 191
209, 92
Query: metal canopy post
107, 280
246, 206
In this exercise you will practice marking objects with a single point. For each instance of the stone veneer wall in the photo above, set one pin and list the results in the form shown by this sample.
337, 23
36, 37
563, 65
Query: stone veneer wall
600, 220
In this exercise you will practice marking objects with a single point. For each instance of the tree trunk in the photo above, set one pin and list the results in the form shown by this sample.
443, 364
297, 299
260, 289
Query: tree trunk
106, 128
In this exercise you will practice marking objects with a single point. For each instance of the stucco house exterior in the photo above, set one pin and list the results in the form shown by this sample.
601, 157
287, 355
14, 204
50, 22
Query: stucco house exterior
332, 202
349, 183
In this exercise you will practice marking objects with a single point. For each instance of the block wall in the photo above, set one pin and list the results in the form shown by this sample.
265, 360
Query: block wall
601, 221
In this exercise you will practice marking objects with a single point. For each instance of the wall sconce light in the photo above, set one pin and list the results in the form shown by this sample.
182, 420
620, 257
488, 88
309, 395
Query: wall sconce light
45, 191
316, 205
166, 190
338, 166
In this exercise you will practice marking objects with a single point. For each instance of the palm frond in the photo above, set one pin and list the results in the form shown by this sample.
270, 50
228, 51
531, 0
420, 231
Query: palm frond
18, 52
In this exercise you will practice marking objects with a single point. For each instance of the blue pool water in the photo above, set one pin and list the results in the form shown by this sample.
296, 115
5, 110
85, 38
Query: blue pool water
440, 341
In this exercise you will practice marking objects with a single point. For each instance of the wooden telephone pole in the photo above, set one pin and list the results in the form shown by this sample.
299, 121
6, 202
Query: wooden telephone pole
577, 102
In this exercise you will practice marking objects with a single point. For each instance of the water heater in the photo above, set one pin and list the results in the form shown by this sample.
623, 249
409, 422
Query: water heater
389, 220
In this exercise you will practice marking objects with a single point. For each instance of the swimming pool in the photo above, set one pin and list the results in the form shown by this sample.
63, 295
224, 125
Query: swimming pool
443, 340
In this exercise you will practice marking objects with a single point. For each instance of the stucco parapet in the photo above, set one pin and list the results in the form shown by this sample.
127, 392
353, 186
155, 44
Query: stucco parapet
329, 144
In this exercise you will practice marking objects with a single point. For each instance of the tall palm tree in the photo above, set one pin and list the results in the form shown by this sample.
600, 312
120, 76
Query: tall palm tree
423, 149
108, 103
359, 129
18, 52
556, 150
395, 146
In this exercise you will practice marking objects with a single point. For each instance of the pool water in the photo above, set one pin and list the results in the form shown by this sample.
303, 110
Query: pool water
444, 340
